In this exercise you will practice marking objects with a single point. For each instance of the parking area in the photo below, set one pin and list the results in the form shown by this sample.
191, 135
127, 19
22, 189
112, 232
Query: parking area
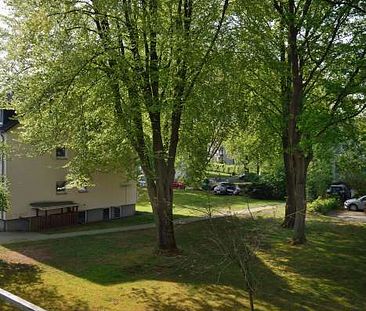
358, 216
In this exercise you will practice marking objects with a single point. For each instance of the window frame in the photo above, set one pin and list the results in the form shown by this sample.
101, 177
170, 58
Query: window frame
114, 212
61, 157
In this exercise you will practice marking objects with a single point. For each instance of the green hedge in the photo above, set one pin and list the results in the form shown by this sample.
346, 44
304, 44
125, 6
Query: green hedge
323, 205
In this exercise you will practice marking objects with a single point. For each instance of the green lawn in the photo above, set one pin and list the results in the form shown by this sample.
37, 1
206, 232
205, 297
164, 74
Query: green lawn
119, 271
188, 203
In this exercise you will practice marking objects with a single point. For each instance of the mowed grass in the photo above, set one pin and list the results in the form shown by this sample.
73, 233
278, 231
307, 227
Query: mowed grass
119, 271
187, 203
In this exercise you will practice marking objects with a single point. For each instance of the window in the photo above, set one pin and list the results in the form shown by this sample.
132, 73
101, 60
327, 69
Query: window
61, 153
116, 212
1, 117
60, 187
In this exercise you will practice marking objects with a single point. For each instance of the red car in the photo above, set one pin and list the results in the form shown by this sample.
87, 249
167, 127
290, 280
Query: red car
178, 185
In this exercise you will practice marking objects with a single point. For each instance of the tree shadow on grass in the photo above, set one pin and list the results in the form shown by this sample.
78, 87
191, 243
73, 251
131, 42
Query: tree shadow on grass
329, 267
24, 280
207, 298
317, 276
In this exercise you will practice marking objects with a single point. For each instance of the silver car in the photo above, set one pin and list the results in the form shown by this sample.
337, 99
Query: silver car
356, 204
226, 188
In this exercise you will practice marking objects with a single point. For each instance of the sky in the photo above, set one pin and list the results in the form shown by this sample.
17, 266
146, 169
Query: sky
3, 10
2, 7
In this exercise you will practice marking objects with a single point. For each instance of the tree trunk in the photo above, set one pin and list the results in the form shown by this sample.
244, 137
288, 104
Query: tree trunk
294, 156
302, 164
251, 300
161, 198
300, 198
290, 209
165, 227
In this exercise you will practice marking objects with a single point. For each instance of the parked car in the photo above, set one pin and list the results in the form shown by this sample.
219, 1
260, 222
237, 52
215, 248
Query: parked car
178, 185
341, 190
356, 204
142, 181
226, 188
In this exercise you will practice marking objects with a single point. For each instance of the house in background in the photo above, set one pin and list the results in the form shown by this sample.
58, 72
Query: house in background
39, 197
222, 156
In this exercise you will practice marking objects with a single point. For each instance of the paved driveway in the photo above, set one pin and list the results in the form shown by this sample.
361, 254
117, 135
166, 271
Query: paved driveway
358, 216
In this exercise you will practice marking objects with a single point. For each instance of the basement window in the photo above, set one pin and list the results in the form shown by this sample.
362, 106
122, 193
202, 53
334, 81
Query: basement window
116, 212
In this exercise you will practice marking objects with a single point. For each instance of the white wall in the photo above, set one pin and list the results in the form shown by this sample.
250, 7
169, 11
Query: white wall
33, 179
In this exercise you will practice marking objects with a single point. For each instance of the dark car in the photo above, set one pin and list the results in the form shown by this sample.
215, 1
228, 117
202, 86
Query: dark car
341, 190
226, 188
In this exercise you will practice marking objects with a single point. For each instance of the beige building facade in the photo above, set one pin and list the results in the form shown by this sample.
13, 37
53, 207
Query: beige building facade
40, 197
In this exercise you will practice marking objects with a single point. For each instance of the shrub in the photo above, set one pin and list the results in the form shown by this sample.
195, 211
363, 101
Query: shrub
260, 190
250, 177
269, 186
323, 205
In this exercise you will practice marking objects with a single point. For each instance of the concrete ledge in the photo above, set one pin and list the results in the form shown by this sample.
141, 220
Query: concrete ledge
18, 302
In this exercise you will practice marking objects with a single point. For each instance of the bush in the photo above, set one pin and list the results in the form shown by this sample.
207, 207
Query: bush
250, 177
269, 186
323, 205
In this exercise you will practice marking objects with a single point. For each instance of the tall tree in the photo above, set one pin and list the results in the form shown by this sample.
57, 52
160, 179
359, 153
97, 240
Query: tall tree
316, 35
310, 68
111, 78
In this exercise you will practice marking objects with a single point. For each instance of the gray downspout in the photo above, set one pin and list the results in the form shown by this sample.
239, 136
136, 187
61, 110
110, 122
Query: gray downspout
2, 174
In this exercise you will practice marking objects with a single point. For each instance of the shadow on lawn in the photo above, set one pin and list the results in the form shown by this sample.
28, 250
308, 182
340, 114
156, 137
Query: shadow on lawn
24, 280
326, 274
209, 298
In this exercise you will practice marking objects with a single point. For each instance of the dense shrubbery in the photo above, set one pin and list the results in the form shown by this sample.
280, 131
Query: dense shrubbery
269, 186
323, 205
357, 181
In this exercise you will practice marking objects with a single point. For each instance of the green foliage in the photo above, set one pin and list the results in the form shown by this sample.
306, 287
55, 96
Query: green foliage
323, 205
225, 168
270, 186
320, 172
332, 70
109, 73
351, 164
356, 180
4, 197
